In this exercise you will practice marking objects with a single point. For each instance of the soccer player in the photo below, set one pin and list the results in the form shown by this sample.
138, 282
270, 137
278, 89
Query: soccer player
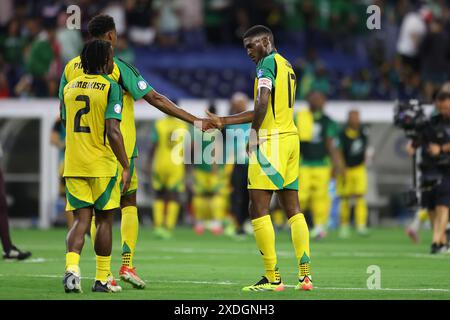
91, 109
209, 204
318, 133
135, 87
168, 173
352, 183
274, 155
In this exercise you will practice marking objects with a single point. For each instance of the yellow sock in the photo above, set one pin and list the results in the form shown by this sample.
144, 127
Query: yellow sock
129, 231
218, 207
73, 262
158, 213
360, 212
278, 217
201, 208
321, 210
93, 231
300, 240
344, 211
173, 208
265, 240
423, 215
102, 268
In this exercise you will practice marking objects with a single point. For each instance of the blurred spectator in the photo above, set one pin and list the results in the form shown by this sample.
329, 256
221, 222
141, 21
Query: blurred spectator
116, 10
139, 19
71, 41
360, 63
313, 77
321, 82
361, 88
39, 58
12, 44
167, 22
216, 16
192, 22
434, 59
412, 32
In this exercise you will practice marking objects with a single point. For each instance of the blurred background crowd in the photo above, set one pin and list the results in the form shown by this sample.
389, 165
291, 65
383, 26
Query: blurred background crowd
192, 48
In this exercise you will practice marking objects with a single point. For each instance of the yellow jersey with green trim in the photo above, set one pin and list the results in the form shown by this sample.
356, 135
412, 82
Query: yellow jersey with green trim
276, 73
169, 133
134, 87
88, 101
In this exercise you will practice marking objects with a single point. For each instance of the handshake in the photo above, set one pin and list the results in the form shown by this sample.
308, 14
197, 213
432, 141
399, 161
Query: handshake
213, 121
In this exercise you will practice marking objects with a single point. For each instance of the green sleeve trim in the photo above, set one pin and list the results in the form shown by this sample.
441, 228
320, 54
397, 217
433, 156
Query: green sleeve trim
104, 198
135, 151
132, 80
115, 101
267, 68
62, 84
131, 166
269, 170
75, 202
292, 186
62, 109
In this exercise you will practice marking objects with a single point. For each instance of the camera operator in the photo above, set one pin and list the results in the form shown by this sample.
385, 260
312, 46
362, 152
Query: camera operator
436, 153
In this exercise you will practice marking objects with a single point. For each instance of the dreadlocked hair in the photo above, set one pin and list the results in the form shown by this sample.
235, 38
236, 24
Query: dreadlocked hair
95, 56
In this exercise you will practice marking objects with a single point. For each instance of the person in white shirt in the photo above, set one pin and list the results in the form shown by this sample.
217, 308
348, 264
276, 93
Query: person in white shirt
412, 32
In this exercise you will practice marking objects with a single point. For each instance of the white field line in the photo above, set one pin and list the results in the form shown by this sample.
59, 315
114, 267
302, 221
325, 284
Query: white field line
284, 254
229, 283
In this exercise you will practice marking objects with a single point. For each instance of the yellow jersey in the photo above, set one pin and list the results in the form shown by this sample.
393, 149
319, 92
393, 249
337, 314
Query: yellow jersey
87, 102
169, 133
280, 111
134, 87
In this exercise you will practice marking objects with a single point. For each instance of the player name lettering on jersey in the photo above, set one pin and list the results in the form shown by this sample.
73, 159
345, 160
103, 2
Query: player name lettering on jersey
77, 65
88, 85
265, 82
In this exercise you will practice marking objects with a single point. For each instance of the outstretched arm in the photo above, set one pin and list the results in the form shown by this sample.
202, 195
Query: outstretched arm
220, 122
165, 105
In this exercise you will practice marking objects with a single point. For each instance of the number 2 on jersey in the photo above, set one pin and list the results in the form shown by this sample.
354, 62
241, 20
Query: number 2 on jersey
77, 124
291, 93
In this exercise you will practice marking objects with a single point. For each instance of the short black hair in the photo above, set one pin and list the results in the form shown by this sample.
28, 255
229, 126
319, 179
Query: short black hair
95, 56
258, 30
101, 24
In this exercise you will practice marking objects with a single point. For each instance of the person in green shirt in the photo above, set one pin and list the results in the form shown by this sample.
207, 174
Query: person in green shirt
319, 161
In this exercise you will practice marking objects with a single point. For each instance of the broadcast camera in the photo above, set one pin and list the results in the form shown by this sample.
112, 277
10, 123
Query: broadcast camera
410, 117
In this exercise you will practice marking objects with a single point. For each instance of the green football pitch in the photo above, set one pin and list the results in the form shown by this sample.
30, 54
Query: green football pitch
209, 267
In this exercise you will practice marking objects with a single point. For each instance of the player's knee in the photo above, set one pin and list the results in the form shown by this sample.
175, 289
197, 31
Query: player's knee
257, 210
128, 200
